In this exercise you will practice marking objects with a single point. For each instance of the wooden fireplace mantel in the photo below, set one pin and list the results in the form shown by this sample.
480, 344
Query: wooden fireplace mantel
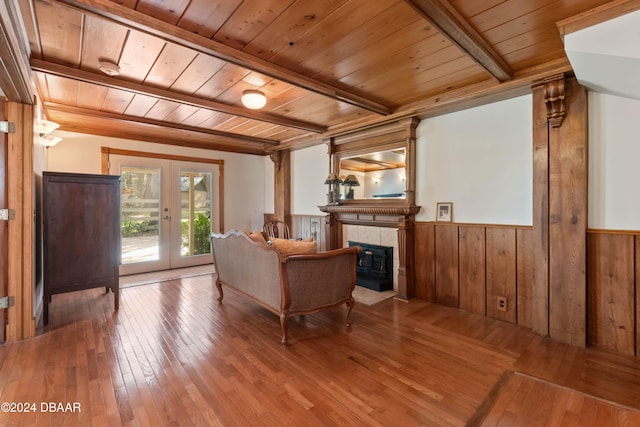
372, 209
400, 216
380, 212
377, 215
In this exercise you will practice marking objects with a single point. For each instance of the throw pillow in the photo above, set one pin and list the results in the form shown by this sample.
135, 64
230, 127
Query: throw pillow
256, 236
289, 247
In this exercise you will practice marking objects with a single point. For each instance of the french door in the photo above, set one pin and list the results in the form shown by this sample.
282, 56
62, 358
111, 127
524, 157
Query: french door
168, 210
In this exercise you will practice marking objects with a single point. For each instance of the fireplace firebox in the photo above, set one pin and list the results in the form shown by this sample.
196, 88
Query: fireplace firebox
374, 266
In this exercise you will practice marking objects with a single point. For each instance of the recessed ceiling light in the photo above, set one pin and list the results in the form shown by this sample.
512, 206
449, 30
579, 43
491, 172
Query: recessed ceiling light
109, 68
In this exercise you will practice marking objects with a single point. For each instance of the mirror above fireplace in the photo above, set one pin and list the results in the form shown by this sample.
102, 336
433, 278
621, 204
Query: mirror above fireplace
380, 174
381, 159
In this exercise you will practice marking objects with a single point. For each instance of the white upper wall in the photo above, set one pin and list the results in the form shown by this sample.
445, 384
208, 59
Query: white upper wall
614, 150
309, 169
244, 193
481, 160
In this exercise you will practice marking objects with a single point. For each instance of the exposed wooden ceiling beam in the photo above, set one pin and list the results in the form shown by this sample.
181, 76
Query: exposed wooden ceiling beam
115, 83
220, 136
452, 25
79, 121
135, 20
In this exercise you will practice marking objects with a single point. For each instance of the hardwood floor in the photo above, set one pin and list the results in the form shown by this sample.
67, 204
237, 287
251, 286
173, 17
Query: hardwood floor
173, 356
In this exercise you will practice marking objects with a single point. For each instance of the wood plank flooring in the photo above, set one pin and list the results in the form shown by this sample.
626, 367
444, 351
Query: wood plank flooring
524, 400
173, 356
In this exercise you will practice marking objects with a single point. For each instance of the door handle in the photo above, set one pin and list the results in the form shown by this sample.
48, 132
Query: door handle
167, 217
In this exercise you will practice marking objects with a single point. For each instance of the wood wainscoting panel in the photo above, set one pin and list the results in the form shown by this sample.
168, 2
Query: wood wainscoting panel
424, 252
305, 226
471, 274
532, 300
610, 308
446, 251
446, 265
501, 273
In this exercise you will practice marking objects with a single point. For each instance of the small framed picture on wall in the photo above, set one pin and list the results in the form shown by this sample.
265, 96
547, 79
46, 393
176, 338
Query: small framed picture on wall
444, 211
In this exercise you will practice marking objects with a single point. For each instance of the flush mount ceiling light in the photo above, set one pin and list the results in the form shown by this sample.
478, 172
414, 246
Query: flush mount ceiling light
109, 68
254, 99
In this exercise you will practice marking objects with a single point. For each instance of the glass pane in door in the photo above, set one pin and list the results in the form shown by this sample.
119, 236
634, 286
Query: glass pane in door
140, 215
195, 212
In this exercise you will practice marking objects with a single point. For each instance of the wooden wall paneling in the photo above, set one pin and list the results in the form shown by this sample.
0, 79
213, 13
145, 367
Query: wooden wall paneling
568, 219
637, 292
424, 252
531, 306
299, 226
501, 272
536, 301
471, 241
610, 308
304, 226
446, 265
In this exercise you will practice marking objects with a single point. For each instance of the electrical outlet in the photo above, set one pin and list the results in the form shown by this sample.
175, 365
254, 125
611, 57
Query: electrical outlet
502, 303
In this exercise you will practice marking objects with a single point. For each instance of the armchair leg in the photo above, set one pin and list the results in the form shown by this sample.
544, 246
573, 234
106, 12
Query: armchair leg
220, 293
350, 304
284, 326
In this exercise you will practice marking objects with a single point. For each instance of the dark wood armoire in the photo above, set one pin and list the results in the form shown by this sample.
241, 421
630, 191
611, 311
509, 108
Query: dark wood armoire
81, 227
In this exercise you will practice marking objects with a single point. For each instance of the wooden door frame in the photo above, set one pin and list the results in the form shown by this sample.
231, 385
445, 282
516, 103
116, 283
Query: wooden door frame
4, 287
17, 86
21, 198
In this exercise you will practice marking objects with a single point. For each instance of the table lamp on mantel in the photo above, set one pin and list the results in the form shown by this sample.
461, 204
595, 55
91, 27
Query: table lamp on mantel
350, 181
333, 195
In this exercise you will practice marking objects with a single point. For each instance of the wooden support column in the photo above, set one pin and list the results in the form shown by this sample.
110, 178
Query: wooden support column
533, 306
555, 303
282, 185
568, 214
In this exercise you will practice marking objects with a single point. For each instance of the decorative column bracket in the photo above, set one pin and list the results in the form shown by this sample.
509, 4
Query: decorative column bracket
276, 159
554, 98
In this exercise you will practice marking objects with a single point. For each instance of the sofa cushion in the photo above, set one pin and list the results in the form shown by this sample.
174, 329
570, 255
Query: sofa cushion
288, 247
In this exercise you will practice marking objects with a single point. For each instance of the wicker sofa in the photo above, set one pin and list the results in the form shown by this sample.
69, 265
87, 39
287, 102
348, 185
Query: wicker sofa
286, 284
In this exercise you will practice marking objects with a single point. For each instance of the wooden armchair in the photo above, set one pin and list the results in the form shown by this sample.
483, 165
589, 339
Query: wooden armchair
275, 228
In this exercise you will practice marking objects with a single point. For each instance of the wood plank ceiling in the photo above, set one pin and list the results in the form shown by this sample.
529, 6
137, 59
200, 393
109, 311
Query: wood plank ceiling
326, 66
